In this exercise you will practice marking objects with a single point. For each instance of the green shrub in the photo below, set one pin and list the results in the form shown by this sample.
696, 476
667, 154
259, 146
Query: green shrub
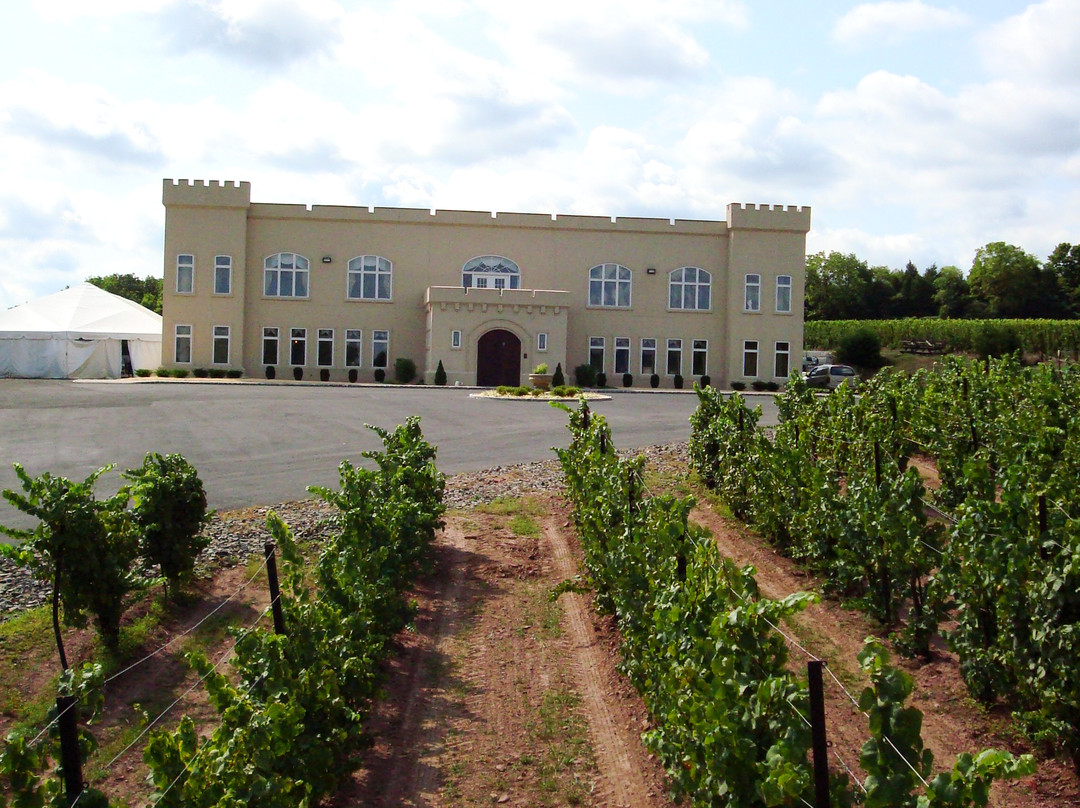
738, 385
404, 370
678, 381
542, 368
521, 391
298, 373
654, 381
164, 373
705, 381
324, 374
861, 348
628, 380
200, 373
440, 374
169, 507
558, 379
757, 384
565, 391
601, 379
772, 386
142, 373
271, 371
181, 373
354, 374
585, 376
217, 373
234, 373
996, 340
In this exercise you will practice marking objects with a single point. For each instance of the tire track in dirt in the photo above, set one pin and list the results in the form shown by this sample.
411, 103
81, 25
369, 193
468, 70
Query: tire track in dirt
613, 744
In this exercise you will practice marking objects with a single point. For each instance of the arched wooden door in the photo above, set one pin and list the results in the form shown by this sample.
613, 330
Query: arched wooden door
498, 359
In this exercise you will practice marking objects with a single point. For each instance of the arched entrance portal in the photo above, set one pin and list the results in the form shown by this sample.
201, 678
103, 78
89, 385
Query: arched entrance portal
498, 359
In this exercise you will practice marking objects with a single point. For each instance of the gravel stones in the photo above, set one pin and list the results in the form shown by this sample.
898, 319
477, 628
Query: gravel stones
236, 535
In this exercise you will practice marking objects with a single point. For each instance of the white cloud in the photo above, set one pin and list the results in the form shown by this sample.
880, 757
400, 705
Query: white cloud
869, 23
1038, 44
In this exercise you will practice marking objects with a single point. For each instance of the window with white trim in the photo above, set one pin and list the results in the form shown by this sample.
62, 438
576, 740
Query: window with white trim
455, 339
609, 286
674, 357
700, 357
185, 274
782, 361
298, 346
749, 358
622, 355
222, 274
541, 341
783, 294
221, 344
690, 289
354, 338
596, 353
270, 345
285, 275
491, 271
324, 356
380, 349
753, 293
648, 356
370, 277
182, 345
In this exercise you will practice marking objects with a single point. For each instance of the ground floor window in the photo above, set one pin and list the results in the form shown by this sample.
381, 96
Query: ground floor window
541, 341
701, 357
674, 357
648, 356
298, 346
622, 354
182, 345
380, 348
326, 347
781, 366
353, 339
221, 344
596, 353
749, 357
270, 345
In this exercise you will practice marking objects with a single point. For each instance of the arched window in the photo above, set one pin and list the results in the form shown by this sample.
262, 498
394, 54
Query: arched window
491, 272
370, 278
285, 275
609, 286
690, 288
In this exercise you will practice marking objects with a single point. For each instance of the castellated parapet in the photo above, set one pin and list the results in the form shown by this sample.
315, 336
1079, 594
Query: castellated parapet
200, 193
768, 217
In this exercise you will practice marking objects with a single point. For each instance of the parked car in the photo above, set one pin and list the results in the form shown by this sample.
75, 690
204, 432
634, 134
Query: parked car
829, 377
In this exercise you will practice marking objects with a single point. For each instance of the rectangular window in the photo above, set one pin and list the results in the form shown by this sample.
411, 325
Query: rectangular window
298, 346
701, 357
541, 341
222, 274
182, 345
455, 340
674, 357
270, 345
221, 344
481, 282
753, 293
783, 294
380, 348
353, 340
596, 353
622, 355
500, 283
648, 356
185, 274
325, 356
782, 364
749, 358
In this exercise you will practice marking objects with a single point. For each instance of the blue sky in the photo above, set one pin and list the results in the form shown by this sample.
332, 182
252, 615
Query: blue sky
916, 130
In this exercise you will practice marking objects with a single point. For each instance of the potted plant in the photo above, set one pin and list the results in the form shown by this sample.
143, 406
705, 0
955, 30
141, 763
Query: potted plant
540, 378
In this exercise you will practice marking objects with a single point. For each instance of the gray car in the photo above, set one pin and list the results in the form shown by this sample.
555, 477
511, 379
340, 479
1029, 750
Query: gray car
829, 377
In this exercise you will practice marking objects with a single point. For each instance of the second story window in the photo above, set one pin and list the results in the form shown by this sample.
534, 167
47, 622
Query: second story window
609, 286
690, 289
185, 274
783, 293
222, 274
753, 293
491, 272
285, 275
370, 278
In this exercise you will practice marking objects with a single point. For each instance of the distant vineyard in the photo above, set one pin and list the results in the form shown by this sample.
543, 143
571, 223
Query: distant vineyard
1042, 337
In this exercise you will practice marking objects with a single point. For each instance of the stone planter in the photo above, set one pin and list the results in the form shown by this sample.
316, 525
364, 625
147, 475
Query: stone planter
541, 381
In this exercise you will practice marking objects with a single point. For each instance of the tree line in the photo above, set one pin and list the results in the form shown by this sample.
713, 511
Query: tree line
1004, 281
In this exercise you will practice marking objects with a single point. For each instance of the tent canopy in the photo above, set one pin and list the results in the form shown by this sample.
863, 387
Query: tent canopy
77, 333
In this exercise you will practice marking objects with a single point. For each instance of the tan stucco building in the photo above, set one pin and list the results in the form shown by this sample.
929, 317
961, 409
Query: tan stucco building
348, 290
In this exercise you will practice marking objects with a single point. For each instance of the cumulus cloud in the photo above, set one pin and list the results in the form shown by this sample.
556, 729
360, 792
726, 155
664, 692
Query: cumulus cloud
1037, 44
869, 23
263, 33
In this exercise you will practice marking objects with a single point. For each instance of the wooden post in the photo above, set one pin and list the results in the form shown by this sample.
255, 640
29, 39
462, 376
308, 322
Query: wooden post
70, 759
275, 592
819, 741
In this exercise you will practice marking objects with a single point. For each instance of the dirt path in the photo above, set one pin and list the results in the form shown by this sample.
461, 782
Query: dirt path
501, 696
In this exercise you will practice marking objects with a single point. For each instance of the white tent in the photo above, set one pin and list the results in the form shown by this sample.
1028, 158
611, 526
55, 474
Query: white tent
77, 334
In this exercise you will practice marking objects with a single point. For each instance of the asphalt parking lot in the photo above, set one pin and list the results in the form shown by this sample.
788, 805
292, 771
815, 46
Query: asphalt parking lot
260, 444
